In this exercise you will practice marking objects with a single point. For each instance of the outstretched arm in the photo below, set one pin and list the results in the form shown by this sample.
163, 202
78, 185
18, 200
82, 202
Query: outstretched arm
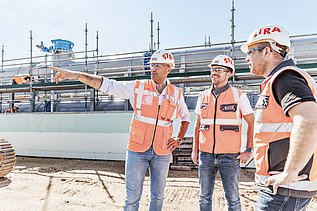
94, 81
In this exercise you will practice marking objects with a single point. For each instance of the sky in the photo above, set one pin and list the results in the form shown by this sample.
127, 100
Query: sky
124, 25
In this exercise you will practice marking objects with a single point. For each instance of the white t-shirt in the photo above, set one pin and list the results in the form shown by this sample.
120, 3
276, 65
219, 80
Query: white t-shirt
125, 89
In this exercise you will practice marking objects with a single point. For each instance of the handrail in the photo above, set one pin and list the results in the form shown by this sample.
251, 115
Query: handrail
191, 70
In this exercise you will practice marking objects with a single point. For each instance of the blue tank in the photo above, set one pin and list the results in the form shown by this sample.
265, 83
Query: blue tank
58, 45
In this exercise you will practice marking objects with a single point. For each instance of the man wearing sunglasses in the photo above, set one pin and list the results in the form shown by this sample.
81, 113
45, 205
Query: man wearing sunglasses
156, 103
217, 136
285, 131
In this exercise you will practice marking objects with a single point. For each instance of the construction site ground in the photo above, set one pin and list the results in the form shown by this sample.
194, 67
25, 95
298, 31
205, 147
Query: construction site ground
43, 184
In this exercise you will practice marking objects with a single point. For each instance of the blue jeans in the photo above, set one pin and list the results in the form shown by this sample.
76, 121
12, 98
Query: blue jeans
270, 202
229, 168
136, 166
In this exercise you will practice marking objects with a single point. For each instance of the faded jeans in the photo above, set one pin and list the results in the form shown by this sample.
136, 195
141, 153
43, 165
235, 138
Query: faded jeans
270, 202
229, 168
136, 166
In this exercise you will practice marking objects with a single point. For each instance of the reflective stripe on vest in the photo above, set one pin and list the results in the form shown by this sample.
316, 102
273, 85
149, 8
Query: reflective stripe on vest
220, 121
273, 127
152, 121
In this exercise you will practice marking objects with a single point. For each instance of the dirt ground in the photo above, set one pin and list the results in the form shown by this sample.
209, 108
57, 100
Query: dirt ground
63, 184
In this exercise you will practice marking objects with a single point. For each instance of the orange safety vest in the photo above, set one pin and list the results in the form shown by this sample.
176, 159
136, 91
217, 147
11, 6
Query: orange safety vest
151, 123
272, 132
220, 122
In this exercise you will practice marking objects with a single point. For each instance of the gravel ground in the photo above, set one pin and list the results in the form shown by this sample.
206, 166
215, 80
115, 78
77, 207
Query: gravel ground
66, 184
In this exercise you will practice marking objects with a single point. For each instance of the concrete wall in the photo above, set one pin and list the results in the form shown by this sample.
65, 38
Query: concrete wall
69, 135
73, 135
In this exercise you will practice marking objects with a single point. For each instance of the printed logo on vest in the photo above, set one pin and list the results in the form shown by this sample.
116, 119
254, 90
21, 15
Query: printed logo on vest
203, 106
262, 103
147, 100
204, 127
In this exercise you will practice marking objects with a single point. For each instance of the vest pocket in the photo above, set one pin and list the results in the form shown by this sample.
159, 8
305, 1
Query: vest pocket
229, 127
167, 109
137, 131
168, 132
229, 107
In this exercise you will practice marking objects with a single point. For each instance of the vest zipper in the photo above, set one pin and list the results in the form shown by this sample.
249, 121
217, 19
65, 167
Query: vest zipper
158, 112
214, 126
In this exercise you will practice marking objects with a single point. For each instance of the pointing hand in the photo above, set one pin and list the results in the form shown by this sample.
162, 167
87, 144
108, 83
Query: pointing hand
63, 74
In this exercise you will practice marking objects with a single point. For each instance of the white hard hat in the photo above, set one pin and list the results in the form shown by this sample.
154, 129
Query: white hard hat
274, 34
223, 60
164, 57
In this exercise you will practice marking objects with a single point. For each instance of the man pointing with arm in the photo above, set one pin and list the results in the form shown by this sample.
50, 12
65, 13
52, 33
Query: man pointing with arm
156, 103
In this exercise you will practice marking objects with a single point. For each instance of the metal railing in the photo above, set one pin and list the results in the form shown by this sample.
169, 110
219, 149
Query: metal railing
191, 71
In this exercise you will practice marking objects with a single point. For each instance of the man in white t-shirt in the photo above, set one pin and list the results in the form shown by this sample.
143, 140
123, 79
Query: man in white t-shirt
218, 134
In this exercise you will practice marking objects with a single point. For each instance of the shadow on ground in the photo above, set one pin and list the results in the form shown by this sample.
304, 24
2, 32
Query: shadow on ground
52, 165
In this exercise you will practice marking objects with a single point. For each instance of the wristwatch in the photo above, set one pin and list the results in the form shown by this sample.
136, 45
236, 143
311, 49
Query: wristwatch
178, 139
249, 149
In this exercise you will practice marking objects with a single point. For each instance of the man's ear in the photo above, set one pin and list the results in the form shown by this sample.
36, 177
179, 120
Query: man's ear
267, 51
231, 75
169, 70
